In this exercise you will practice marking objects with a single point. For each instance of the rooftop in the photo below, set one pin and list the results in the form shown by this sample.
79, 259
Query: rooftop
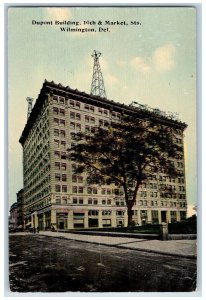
134, 108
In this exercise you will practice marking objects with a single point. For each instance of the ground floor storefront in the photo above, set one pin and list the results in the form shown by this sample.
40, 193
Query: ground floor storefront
75, 218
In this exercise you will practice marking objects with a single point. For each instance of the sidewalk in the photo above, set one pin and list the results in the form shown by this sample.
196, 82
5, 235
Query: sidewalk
180, 248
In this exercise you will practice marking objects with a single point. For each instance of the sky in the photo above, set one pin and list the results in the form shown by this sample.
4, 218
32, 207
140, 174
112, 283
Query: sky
153, 63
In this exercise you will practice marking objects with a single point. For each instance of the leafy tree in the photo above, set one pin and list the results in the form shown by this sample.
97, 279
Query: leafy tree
127, 152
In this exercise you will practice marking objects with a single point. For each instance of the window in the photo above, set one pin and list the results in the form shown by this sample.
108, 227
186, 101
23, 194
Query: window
62, 122
86, 106
80, 189
74, 167
56, 121
72, 115
101, 122
57, 154
63, 155
56, 132
120, 213
78, 116
64, 200
64, 188
80, 179
78, 104
63, 166
143, 194
56, 143
93, 213
58, 199
95, 201
81, 201
74, 189
72, 125
57, 188
57, 177
55, 99
71, 102
64, 177
103, 202
55, 111
109, 202
74, 200
89, 200
61, 100
62, 133
62, 112
72, 135
89, 190
94, 190
63, 144
78, 127
92, 119
74, 178
106, 212
87, 119
57, 166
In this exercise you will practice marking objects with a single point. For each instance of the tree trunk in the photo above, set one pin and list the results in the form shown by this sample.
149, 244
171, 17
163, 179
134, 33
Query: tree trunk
129, 215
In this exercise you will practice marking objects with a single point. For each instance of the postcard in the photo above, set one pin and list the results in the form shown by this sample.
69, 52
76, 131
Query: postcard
102, 149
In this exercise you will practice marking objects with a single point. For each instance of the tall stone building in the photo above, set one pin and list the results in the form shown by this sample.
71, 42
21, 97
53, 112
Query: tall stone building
55, 196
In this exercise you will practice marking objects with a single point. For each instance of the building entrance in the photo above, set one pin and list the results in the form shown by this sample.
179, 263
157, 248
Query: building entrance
61, 225
93, 222
164, 216
61, 220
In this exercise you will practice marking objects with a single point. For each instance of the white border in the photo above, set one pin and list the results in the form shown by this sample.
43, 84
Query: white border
201, 149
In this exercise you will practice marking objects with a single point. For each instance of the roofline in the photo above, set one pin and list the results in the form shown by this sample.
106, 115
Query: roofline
95, 100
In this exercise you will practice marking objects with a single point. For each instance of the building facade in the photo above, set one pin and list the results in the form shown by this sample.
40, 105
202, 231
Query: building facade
13, 220
20, 208
55, 196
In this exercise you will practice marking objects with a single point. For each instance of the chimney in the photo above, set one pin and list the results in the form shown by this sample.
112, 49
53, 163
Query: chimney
29, 100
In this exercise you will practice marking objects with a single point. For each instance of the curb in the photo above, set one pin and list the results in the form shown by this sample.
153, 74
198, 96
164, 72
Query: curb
128, 248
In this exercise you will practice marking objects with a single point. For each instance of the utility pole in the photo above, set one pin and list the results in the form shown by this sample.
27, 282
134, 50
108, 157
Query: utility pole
97, 87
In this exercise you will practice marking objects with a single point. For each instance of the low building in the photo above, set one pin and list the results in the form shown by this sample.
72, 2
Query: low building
13, 220
20, 208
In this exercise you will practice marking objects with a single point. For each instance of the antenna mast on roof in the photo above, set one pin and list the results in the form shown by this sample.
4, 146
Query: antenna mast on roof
97, 87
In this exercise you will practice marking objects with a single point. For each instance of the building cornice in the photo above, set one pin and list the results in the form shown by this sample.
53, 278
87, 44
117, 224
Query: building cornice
75, 94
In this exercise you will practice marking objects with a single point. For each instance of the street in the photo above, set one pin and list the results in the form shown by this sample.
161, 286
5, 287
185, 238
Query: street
40, 263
